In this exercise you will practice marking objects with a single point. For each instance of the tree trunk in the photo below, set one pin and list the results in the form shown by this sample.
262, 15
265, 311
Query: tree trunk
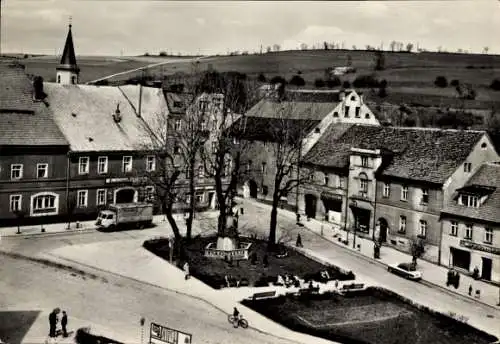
192, 202
168, 213
271, 241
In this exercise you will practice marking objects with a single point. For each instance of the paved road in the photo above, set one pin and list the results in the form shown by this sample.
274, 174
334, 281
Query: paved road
117, 304
257, 218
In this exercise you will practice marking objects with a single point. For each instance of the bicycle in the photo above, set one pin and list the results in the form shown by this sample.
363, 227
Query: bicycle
239, 321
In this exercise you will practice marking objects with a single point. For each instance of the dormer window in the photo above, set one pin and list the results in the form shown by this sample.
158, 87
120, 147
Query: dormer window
425, 196
467, 167
364, 161
469, 200
353, 98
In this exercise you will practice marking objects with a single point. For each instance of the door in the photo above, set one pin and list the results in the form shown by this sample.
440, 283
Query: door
486, 269
125, 196
460, 258
253, 188
310, 201
383, 229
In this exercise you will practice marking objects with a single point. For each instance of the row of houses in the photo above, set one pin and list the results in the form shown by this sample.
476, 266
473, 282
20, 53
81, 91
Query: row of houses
395, 185
72, 148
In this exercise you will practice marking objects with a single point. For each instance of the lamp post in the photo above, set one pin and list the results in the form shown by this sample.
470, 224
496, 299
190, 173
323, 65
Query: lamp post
354, 205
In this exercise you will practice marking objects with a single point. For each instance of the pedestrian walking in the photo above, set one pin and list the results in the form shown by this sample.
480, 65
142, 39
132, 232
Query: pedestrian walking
186, 270
298, 242
64, 323
470, 290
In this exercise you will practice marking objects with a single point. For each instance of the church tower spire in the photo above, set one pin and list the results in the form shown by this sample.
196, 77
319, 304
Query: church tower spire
68, 71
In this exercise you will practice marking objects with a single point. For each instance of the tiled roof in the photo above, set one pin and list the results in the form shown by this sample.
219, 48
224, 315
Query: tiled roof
85, 115
487, 175
271, 129
291, 110
23, 121
419, 154
16, 91
321, 153
319, 96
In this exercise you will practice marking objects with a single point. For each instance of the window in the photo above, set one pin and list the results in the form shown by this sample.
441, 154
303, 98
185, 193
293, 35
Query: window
177, 150
488, 235
102, 164
342, 182
187, 173
73, 79
15, 203
387, 190
58, 79
203, 105
150, 193
177, 125
336, 114
199, 197
363, 185
201, 173
214, 147
187, 197
425, 196
16, 171
83, 165
203, 124
263, 167
468, 231
150, 163
422, 229
364, 161
44, 203
484, 145
402, 224
469, 200
367, 115
326, 180
311, 177
357, 111
82, 198
454, 228
249, 166
353, 98
127, 164
467, 167
42, 170
404, 193
236, 141
101, 197
346, 113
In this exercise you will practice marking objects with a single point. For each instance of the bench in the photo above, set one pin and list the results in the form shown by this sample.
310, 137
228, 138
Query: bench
352, 286
314, 290
264, 295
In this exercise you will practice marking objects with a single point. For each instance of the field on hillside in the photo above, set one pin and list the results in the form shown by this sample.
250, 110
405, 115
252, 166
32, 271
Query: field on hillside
410, 76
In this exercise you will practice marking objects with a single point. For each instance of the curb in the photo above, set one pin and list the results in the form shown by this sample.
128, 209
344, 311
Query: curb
40, 234
422, 281
59, 265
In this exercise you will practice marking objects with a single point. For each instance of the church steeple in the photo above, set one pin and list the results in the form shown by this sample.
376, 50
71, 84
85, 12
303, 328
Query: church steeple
67, 71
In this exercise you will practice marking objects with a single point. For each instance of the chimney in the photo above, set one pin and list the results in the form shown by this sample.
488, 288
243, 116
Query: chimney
117, 115
38, 93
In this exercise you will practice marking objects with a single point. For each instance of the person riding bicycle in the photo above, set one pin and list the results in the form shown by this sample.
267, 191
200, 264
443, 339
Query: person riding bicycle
236, 313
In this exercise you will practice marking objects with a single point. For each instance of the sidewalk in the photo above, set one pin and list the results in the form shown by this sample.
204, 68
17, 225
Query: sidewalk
432, 273
84, 226
122, 258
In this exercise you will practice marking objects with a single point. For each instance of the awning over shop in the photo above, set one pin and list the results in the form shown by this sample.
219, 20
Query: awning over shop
331, 196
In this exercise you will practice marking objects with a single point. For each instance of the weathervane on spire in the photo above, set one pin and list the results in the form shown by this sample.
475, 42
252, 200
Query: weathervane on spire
70, 18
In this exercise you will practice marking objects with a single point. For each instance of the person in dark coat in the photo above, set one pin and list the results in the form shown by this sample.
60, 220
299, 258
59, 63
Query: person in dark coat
52, 323
298, 243
64, 323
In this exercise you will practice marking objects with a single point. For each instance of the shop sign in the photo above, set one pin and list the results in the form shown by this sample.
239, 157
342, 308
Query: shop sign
479, 247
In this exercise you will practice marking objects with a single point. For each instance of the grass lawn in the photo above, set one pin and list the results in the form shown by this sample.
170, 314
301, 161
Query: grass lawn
371, 316
212, 271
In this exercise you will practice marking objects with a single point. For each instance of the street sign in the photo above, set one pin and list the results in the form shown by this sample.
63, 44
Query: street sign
161, 334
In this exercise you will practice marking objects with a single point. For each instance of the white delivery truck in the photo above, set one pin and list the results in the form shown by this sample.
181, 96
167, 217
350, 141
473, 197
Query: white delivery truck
125, 215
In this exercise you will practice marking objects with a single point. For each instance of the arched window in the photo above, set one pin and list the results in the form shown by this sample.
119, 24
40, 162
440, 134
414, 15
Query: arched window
363, 185
44, 204
201, 173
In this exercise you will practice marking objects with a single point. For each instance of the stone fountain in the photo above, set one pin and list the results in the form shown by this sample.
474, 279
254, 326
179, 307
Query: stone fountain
228, 245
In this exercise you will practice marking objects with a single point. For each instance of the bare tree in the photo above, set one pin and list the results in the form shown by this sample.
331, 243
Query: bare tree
409, 47
392, 45
222, 158
276, 47
303, 46
485, 50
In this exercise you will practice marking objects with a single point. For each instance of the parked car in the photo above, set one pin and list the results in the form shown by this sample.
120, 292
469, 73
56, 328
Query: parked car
406, 270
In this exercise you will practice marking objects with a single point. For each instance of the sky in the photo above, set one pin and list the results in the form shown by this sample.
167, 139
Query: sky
128, 27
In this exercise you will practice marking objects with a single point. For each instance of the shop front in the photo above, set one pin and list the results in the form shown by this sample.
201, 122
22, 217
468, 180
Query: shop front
361, 217
333, 206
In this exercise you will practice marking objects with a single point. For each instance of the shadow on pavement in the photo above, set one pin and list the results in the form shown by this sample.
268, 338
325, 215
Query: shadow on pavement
14, 325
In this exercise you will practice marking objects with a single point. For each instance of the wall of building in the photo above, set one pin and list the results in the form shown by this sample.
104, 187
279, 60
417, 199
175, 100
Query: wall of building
484, 151
66, 77
454, 241
346, 111
29, 185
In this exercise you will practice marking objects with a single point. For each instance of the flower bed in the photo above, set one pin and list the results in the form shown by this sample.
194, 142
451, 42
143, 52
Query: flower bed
255, 271
374, 315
